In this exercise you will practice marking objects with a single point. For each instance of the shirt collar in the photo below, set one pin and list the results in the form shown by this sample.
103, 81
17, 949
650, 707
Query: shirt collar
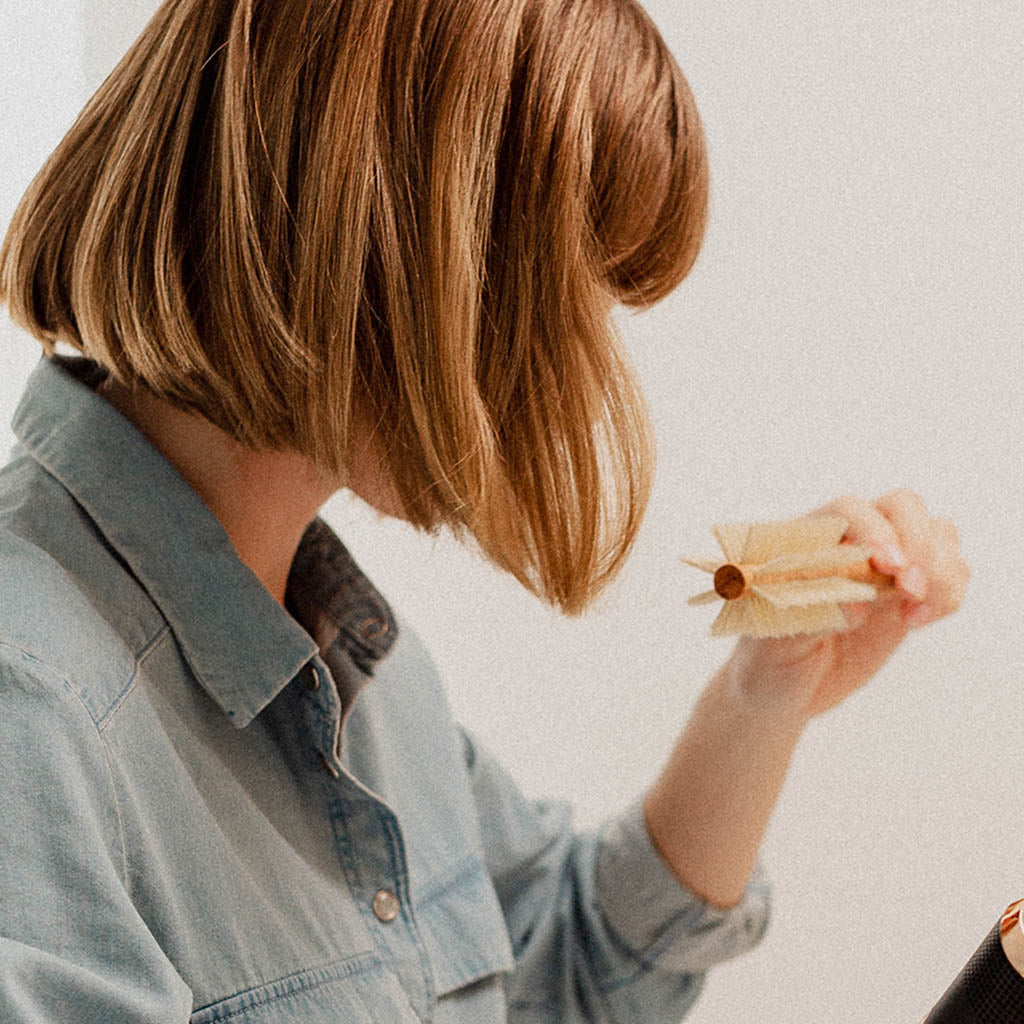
329, 592
242, 646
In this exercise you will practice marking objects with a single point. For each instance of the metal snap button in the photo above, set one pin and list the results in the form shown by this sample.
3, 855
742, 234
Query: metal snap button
386, 906
312, 678
374, 629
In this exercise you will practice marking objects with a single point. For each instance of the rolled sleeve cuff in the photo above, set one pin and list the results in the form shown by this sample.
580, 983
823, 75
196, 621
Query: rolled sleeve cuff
662, 922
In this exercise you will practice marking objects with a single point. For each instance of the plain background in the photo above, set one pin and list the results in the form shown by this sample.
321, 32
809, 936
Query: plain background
853, 325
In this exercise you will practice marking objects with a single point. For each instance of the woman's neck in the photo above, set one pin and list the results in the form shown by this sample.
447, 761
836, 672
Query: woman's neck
264, 500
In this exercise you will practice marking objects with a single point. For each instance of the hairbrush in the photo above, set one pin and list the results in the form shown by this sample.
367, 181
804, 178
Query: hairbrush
788, 577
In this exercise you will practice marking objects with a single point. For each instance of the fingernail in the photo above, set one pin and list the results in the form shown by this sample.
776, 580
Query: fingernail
894, 557
914, 582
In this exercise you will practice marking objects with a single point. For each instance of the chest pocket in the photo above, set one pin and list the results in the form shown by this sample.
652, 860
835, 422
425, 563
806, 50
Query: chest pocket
463, 927
358, 990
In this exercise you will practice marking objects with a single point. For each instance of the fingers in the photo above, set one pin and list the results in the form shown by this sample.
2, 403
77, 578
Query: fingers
869, 526
920, 551
948, 576
908, 514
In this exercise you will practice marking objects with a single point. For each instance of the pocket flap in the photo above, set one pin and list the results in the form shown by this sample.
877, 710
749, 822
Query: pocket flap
464, 928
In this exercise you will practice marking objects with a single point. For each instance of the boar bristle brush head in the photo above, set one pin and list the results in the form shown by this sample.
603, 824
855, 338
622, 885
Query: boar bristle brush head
785, 578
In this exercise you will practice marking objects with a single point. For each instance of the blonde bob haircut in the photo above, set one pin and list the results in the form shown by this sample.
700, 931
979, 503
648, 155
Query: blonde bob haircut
295, 217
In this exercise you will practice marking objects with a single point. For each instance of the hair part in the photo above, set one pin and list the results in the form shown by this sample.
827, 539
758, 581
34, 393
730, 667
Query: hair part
292, 218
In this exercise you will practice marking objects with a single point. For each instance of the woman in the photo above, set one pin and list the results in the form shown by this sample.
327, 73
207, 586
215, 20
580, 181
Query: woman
310, 245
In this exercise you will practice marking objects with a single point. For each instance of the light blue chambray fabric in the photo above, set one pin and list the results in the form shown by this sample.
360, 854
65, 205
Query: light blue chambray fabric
202, 797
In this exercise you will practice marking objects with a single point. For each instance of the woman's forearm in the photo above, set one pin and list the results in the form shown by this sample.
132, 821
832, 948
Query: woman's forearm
708, 811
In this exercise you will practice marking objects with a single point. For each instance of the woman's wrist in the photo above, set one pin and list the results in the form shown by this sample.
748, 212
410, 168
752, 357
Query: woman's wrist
775, 680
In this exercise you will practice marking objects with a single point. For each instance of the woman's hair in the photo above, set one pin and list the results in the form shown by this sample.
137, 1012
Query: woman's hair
415, 215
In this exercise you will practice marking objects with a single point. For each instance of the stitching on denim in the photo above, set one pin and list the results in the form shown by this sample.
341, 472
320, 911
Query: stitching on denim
668, 934
337, 806
292, 985
477, 961
324, 710
104, 719
647, 961
103, 744
339, 826
109, 762
396, 849
643, 961
468, 867
126, 877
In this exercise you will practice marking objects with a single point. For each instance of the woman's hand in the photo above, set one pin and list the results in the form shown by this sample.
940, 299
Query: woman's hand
708, 809
806, 675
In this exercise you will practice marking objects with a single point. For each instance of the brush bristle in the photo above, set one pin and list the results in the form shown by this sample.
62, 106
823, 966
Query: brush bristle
732, 538
755, 616
838, 557
765, 541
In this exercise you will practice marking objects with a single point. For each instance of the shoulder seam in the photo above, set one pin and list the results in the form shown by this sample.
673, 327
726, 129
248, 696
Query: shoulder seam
104, 720
103, 744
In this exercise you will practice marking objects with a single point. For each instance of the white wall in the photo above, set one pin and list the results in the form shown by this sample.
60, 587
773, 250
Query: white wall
42, 88
859, 301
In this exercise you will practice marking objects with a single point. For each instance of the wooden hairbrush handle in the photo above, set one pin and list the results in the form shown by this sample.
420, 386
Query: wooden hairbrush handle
733, 581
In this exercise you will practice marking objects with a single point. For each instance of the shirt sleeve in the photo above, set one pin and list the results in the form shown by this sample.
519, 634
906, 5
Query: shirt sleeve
603, 932
73, 947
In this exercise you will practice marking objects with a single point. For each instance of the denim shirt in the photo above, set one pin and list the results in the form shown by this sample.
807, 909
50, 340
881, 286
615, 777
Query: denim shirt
216, 808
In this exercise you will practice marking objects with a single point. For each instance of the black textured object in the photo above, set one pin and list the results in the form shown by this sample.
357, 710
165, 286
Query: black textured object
987, 991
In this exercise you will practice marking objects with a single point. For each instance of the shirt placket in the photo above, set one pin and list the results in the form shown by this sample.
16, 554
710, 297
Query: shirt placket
370, 847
